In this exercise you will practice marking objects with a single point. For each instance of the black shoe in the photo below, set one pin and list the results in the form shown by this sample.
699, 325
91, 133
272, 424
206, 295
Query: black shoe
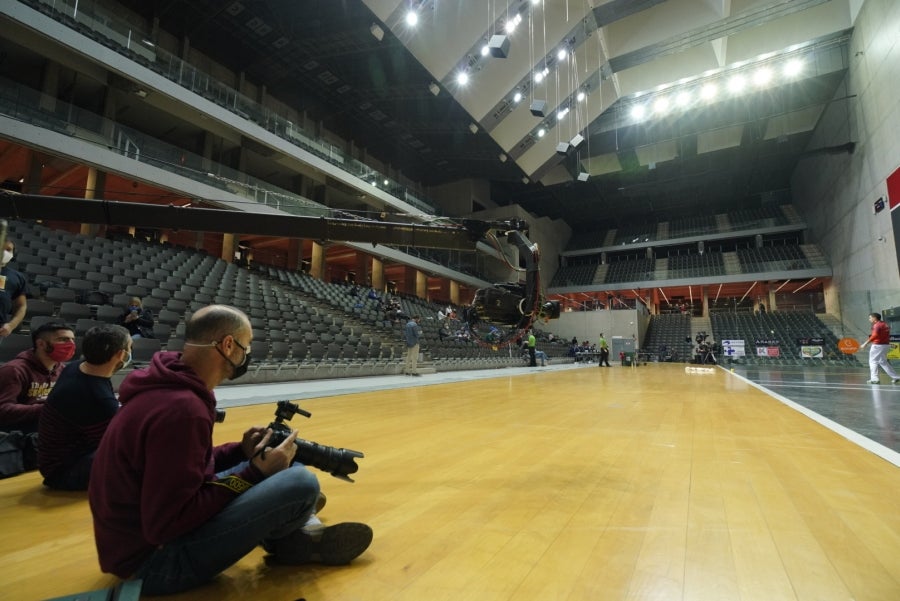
320, 502
333, 546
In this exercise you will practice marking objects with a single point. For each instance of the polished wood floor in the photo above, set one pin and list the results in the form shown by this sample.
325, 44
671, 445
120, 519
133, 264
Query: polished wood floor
570, 484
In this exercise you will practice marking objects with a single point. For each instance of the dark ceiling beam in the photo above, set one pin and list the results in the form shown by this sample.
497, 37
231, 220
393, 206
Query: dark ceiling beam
78, 210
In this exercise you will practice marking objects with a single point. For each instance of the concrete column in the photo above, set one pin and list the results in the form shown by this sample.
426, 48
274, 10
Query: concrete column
454, 292
421, 285
49, 86
229, 245
317, 261
32, 183
208, 142
377, 274
654, 302
94, 187
772, 306
704, 291
110, 111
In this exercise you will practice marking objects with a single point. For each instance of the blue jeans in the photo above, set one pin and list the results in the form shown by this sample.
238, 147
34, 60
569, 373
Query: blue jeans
274, 508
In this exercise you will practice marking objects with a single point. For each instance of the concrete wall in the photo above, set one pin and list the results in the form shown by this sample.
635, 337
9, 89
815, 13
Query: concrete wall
587, 325
835, 193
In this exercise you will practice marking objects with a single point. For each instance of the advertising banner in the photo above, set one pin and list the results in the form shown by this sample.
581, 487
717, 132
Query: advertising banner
733, 348
808, 351
768, 351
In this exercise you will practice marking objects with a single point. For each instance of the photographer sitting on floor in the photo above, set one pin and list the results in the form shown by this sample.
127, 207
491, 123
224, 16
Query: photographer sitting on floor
175, 511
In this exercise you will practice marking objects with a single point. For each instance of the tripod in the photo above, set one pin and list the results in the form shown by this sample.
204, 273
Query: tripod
707, 355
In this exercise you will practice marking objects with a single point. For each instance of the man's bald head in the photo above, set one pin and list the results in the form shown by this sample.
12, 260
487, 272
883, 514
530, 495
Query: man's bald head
214, 322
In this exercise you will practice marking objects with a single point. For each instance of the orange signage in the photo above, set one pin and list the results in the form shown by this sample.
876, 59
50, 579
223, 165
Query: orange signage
848, 346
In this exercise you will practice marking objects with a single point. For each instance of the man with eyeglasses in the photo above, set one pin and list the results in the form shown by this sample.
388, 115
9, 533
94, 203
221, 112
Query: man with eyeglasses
173, 510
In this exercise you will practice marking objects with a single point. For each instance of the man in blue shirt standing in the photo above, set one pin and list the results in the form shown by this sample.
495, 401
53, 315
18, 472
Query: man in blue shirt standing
412, 332
13, 304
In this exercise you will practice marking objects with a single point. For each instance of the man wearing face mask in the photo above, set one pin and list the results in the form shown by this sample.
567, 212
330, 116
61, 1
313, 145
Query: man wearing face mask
80, 407
26, 380
174, 510
13, 304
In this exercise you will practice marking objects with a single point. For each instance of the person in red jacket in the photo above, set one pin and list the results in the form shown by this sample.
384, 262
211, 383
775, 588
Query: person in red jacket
173, 510
26, 380
881, 344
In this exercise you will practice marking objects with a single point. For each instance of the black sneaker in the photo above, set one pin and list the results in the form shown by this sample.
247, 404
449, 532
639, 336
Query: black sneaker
334, 546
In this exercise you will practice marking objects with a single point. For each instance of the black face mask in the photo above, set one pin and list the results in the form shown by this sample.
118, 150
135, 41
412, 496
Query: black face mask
237, 369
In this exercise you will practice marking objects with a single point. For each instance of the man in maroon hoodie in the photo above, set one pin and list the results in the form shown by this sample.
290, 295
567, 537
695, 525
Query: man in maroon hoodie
26, 380
172, 509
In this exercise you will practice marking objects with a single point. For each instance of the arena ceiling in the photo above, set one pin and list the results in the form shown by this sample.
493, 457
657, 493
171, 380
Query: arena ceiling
394, 89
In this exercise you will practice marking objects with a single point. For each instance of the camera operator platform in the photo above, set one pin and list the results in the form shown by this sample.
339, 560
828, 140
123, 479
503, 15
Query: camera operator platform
705, 352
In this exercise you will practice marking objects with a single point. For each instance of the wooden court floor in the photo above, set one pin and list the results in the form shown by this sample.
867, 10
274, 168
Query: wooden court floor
572, 484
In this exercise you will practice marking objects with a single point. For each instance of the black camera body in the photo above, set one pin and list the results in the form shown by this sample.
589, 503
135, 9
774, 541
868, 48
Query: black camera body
337, 462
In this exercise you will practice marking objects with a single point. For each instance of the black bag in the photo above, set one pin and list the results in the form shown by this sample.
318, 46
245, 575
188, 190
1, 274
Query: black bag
18, 453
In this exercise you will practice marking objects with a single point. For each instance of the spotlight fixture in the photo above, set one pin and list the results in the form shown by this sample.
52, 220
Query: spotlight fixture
434, 88
517, 97
793, 67
539, 108
462, 78
576, 141
583, 177
502, 157
412, 18
473, 128
377, 31
499, 46
580, 96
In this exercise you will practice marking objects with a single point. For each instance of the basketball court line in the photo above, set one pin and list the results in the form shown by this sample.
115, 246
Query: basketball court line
866, 443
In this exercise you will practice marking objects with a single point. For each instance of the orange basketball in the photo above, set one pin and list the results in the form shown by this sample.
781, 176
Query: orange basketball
848, 346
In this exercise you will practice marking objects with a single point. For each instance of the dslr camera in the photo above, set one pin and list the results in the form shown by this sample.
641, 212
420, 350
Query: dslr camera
340, 463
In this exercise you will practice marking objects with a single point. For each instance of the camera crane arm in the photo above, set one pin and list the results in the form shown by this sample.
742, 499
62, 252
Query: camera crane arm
464, 234
452, 235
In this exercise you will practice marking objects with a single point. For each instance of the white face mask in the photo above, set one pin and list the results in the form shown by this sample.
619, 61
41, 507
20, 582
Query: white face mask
7, 257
